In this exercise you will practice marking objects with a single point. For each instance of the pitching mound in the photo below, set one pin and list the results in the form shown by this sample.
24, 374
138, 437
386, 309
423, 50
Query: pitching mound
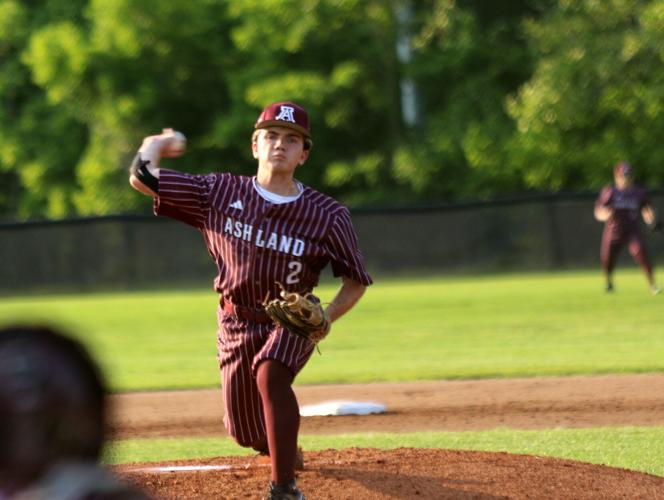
402, 473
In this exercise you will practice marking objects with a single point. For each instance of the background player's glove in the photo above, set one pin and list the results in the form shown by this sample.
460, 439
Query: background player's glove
301, 315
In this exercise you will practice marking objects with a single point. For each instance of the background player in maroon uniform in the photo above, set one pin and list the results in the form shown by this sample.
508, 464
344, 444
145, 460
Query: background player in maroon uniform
621, 206
261, 231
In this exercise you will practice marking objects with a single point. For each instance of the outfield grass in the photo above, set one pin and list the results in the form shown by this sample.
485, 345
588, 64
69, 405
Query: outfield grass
636, 448
403, 329
416, 329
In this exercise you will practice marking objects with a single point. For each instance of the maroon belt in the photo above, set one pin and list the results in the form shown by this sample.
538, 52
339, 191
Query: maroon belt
255, 315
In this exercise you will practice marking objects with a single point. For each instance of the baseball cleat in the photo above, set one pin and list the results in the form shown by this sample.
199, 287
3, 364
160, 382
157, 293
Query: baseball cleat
655, 289
286, 491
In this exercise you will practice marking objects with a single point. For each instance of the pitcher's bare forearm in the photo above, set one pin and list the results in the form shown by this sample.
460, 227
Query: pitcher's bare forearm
144, 170
350, 292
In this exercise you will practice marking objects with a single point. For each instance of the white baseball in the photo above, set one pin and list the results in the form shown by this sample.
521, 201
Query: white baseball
178, 143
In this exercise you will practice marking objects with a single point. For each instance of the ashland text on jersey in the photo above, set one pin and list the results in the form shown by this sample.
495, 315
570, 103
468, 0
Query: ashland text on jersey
274, 241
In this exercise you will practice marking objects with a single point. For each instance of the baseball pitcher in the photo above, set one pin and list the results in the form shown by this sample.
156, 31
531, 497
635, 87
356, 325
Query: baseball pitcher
270, 237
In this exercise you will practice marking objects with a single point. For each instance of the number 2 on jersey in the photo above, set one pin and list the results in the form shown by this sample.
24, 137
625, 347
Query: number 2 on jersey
295, 267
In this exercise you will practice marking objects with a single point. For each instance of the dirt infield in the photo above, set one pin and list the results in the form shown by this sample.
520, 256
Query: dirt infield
404, 473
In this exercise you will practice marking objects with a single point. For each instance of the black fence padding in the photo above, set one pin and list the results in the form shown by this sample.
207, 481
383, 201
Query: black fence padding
553, 232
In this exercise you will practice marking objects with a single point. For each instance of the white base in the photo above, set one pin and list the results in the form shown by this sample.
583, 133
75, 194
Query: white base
327, 408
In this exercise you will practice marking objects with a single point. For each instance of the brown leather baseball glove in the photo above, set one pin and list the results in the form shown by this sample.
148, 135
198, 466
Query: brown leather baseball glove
302, 315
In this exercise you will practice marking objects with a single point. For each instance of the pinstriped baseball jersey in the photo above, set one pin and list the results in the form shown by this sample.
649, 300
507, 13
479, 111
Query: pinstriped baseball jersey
626, 204
256, 242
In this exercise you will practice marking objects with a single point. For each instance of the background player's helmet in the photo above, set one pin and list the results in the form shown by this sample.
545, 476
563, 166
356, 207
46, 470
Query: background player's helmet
52, 402
622, 168
286, 114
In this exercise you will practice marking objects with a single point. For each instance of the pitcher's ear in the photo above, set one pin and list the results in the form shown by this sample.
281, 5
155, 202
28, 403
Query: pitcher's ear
304, 157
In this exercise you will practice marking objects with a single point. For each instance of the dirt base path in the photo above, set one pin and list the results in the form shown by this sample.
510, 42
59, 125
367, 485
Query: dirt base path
533, 403
446, 405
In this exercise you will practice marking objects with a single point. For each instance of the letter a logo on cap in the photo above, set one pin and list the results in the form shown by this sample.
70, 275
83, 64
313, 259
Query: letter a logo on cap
286, 113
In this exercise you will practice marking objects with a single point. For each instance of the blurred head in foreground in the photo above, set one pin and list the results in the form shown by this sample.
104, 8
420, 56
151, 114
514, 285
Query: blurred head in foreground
52, 415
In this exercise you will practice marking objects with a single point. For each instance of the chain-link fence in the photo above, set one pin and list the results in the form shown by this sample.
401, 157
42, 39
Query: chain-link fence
129, 252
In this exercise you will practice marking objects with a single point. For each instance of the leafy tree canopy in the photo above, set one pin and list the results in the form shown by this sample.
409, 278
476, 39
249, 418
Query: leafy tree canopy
410, 101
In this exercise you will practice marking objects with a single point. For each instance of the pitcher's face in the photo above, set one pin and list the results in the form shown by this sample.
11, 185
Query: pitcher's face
279, 149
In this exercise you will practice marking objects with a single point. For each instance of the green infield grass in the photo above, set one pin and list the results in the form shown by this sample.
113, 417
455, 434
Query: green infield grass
514, 325
636, 448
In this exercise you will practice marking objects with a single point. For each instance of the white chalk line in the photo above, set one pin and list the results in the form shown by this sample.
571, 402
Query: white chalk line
184, 468
161, 469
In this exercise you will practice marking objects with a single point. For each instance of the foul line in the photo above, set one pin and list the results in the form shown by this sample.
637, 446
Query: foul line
185, 468
222, 467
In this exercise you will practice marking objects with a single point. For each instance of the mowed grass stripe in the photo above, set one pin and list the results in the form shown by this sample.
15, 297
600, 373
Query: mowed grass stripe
636, 448
511, 325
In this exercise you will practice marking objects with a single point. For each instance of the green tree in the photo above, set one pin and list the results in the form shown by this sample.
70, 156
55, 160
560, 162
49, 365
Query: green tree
468, 57
596, 96
129, 69
39, 143
84, 81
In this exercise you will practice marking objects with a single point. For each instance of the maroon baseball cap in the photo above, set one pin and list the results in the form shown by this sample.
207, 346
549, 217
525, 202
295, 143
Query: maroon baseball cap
285, 114
622, 168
